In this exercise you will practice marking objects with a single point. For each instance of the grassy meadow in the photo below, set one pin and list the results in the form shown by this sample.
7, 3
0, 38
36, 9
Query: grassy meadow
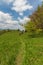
18, 48
23, 47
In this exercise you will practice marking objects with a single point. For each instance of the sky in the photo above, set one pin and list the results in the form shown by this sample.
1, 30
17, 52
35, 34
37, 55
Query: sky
15, 13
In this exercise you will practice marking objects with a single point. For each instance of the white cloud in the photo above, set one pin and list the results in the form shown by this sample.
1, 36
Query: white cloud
18, 5
24, 20
6, 21
6, 18
8, 26
21, 5
21, 13
6, 1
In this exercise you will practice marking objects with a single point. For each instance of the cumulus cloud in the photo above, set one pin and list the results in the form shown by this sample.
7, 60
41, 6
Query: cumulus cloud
18, 5
6, 18
6, 1
24, 20
21, 5
6, 21
11, 26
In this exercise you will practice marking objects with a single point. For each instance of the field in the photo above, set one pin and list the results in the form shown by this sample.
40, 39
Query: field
20, 49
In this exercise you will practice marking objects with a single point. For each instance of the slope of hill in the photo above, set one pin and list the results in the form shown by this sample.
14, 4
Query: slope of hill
20, 49
23, 48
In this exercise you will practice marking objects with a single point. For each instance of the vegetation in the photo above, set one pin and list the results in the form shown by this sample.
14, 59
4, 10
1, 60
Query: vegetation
23, 48
16, 49
36, 23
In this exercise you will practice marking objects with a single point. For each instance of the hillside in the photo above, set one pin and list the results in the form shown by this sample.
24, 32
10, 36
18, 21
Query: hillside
16, 49
23, 47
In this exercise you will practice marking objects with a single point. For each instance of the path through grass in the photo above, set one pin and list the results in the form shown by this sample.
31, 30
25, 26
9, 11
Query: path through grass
18, 49
21, 54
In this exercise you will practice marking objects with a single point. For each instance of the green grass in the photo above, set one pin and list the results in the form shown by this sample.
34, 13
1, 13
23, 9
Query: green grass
16, 49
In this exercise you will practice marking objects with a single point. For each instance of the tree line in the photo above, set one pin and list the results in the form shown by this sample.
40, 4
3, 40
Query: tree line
35, 25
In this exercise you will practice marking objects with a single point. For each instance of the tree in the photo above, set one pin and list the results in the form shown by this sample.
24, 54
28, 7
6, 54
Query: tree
36, 19
35, 25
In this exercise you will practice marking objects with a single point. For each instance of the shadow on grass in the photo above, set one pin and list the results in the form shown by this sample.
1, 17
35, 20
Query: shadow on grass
36, 35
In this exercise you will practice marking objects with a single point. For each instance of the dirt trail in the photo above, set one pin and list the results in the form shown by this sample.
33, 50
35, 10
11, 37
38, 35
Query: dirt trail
21, 54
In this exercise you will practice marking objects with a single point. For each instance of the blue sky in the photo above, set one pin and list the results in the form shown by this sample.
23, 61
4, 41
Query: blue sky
14, 13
